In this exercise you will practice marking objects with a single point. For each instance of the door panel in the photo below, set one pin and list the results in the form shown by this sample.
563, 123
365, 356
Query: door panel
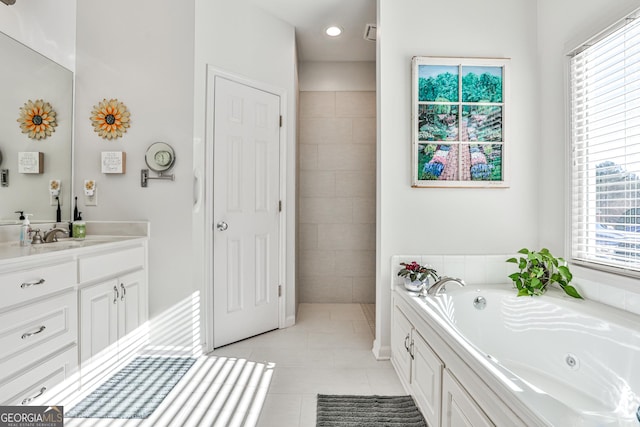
245, 211
458, 408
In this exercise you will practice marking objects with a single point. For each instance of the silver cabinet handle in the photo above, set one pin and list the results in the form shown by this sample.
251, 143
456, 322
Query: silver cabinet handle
27, 284
406, 342
124, 291
28, 334
411, 350
29, 399
116, 294
222, 226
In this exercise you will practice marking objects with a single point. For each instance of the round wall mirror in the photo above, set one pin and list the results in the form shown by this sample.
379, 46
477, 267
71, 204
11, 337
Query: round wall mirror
160, 157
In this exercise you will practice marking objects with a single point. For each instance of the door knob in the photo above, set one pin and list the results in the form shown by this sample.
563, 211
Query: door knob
222, 226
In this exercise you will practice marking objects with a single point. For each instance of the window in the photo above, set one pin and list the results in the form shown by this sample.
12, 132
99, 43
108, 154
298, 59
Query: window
605, 147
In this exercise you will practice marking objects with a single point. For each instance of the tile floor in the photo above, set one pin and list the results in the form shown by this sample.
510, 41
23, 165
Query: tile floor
328, 351
273, 379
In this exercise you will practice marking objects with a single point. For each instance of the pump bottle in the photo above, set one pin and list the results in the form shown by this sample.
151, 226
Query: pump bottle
25, 231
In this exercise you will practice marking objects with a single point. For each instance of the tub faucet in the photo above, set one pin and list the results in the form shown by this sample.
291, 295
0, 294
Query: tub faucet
438, 287
52, 235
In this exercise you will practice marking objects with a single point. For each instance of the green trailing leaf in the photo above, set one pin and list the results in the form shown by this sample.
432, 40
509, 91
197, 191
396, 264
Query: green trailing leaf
523, 293
523, 251
564, 272
570, 290
513, 260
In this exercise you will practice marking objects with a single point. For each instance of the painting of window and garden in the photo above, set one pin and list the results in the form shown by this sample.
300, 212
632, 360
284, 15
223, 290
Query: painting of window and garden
459, 122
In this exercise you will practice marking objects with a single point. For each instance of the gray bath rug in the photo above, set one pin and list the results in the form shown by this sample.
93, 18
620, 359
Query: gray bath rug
135, 391
368, 411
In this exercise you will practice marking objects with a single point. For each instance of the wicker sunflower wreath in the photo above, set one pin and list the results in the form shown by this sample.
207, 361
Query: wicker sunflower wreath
110, 118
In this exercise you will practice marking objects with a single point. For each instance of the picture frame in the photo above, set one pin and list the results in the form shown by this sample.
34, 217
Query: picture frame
460, 114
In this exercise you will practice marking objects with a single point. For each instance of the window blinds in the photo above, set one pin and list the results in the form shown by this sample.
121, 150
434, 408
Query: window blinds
605, 147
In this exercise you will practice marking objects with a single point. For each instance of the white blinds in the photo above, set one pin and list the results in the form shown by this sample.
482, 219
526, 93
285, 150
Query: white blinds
605, 138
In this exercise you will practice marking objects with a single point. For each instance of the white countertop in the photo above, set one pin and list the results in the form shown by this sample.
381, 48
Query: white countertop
111, 236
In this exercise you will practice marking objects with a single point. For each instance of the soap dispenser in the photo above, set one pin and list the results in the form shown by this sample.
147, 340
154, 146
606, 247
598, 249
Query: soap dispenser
79, 228
25, 231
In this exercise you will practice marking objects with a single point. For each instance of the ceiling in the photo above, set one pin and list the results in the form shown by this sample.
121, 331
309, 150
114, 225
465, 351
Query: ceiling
311, 17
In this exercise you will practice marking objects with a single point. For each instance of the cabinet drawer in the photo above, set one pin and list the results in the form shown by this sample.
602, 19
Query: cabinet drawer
31, 332
36, 382
20, 286
111, 264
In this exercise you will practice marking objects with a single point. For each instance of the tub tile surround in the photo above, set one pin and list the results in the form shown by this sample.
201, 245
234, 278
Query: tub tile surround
473, 269
612, 290
337, 196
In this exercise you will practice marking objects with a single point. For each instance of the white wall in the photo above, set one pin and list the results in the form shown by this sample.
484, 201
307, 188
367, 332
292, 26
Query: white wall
337, 76
452, 221
46, 26
142, 54
241, 39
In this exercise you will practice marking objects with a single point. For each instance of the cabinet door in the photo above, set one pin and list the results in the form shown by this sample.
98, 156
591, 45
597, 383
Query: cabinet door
400, 341
132, 304
426, 379
458, 408
98, 318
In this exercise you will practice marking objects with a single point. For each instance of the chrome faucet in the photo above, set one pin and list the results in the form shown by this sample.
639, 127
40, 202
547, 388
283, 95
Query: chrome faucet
438, 287
52, 235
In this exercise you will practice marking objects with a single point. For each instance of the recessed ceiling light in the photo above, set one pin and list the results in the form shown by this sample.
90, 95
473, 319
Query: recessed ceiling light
333, 31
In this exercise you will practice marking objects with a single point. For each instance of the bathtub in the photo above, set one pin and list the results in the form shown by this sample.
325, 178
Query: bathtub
571, 362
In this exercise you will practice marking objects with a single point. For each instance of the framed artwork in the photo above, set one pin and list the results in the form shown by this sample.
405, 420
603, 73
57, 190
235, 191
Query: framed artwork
460, 112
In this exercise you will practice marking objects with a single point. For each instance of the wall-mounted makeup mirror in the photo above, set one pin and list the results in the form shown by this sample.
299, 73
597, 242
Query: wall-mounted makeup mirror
160, 157
26, 76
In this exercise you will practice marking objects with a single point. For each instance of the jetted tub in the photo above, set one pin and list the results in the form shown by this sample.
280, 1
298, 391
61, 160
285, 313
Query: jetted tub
572, 362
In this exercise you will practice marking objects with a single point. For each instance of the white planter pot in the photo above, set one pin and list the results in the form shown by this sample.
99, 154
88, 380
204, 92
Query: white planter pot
413, 286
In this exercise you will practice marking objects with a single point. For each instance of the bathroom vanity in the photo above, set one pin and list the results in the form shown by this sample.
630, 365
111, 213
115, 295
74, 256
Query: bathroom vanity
64, 302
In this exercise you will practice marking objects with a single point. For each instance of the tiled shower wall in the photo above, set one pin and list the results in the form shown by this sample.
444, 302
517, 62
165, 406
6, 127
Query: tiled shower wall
337, 190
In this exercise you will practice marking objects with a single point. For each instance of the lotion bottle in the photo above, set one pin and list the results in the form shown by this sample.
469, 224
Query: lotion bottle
25, 231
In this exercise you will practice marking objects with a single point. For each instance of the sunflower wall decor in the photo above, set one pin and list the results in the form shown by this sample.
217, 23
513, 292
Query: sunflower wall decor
37, 119
110, 118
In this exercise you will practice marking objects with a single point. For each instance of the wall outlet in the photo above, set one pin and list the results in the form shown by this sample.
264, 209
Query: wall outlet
91, 200
53, 201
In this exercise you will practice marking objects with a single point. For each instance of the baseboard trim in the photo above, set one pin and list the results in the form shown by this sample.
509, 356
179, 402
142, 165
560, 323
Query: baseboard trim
381, 352
289, 321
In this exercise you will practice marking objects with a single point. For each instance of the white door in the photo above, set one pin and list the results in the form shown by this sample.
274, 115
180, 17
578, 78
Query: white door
245, 211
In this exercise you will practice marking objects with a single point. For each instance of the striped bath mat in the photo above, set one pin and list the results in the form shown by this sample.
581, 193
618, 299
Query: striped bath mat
135, 391
368, 411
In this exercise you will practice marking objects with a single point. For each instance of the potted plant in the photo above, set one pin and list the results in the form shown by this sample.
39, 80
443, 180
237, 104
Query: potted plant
539, 270
415, 275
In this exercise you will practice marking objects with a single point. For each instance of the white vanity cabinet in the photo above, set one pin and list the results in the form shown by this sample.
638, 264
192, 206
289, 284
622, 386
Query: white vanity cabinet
113, 299
448, 392
459, 409
417, 365
38, 327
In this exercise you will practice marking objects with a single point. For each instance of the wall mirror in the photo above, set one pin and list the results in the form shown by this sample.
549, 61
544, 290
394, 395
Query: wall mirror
26, 75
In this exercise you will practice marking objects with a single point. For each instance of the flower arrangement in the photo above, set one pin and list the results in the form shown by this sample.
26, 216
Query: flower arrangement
415, 272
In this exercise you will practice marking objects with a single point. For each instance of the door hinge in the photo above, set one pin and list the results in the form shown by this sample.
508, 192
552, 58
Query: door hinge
279, 290
280, 121
279, 205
